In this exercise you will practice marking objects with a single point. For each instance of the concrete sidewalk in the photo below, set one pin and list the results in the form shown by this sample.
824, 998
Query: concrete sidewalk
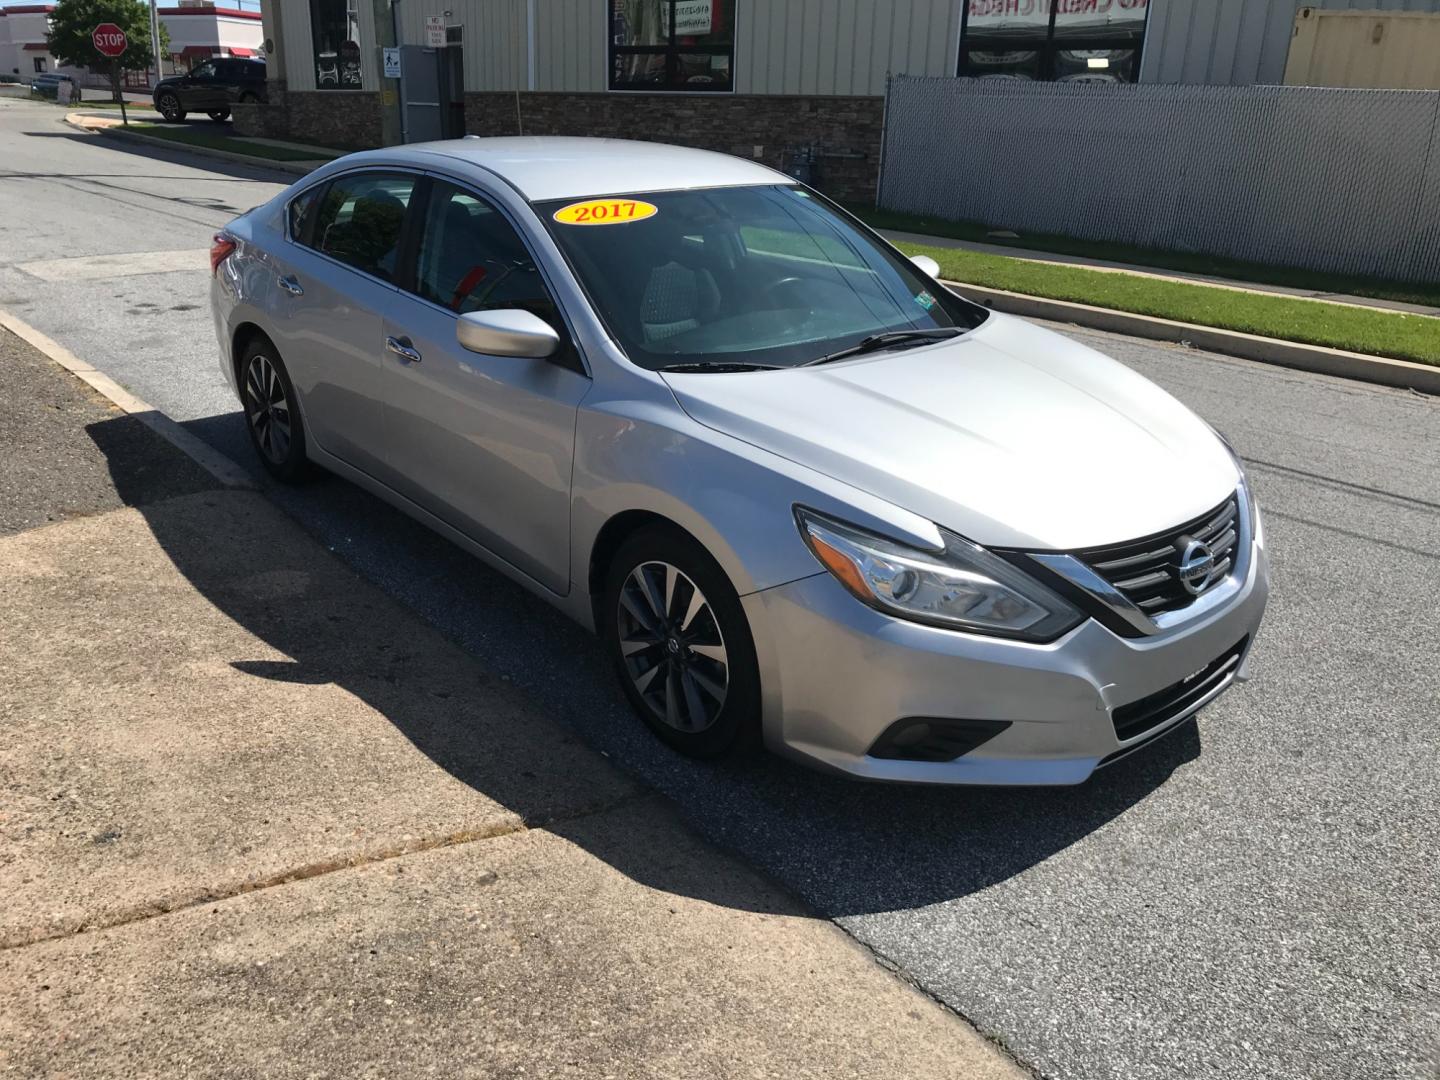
260, 820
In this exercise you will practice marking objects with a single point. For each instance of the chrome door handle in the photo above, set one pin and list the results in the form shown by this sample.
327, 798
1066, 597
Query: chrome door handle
402, 348
290, 285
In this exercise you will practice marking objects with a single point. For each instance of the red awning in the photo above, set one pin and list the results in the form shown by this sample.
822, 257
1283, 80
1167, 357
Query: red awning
242, 52
199, 50
37, 46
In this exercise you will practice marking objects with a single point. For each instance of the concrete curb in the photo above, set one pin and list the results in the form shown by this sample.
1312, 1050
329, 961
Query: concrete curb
207, 457
1292, 354
294, 168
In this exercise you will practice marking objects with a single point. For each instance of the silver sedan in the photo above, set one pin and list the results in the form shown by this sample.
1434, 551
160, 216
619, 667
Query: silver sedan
802, 491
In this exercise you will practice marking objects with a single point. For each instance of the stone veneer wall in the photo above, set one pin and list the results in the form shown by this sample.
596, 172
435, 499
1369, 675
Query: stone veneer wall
344, 119
844, 130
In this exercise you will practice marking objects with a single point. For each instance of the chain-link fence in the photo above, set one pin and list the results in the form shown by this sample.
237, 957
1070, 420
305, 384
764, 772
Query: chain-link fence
1314, 177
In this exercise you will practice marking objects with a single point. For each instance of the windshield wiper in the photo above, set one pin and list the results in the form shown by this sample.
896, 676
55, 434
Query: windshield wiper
876, 342
722, 366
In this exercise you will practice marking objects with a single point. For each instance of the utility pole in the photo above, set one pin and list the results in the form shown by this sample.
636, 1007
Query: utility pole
155, 40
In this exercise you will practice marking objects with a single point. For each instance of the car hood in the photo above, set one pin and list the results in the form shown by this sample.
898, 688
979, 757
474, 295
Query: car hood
1012, 436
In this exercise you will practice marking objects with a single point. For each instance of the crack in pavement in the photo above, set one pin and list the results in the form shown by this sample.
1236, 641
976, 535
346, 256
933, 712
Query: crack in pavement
200, 896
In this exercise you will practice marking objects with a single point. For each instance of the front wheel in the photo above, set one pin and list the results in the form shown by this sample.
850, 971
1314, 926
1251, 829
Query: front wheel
219, 115
271, 415
168, 106
681, 644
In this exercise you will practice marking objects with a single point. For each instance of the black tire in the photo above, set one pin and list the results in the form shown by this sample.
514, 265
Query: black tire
681, 679
168, 106
272, 417
219, 115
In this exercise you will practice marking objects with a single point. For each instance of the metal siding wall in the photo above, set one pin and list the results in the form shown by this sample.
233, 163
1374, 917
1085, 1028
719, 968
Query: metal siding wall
840, 46
570, 45
1235, 42
299, 50
1328, 179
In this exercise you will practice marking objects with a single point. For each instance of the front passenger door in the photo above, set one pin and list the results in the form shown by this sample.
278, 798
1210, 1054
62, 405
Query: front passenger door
486, 443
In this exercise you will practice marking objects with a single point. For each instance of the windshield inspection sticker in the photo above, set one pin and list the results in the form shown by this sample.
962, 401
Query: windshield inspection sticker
605, 212
925, 300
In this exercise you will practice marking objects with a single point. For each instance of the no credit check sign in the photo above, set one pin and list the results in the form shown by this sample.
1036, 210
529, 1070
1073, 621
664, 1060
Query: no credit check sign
109, 39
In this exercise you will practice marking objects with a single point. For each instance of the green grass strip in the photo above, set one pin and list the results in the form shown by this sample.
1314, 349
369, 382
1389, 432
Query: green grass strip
1426, 295
1357, 329
189, 136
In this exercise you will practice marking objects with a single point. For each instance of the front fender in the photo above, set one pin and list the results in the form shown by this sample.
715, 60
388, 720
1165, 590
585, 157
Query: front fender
734, 498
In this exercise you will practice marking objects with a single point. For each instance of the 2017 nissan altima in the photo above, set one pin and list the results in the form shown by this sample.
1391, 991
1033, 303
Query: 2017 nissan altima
800, 489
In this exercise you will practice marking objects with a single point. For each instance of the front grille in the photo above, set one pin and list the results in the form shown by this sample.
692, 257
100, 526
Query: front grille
1175, 701
1147, 571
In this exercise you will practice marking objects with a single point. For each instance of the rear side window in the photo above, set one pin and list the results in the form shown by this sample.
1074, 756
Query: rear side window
359, 219
300, 210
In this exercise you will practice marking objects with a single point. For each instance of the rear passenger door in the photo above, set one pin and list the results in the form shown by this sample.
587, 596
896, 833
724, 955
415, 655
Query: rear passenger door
336, 285
486, 443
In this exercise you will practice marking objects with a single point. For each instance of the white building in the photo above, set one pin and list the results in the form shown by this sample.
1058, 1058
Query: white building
198, 29
23, 52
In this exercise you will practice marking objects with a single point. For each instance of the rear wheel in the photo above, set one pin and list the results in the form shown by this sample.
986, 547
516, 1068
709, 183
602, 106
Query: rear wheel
271, 415
168, 106
219, 115
681, 644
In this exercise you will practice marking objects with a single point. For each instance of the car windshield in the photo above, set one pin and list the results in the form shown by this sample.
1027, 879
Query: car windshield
765, 276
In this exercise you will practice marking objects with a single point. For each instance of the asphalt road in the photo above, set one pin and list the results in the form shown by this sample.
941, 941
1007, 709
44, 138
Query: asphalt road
1256, 896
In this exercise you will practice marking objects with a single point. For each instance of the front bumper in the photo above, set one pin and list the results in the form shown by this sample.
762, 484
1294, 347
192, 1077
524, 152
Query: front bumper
836, 674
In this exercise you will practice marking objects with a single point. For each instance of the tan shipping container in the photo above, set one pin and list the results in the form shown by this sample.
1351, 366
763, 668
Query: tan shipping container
1374, 49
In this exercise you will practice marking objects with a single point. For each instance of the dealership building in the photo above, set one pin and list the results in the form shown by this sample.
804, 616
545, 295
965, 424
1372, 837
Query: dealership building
796, 83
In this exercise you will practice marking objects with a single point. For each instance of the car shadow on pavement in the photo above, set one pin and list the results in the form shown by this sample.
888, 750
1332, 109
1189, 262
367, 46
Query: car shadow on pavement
845, 847
224, 170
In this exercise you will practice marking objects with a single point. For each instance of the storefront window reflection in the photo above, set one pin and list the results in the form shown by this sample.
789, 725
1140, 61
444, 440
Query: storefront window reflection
335, 32
685, 45
1095, 41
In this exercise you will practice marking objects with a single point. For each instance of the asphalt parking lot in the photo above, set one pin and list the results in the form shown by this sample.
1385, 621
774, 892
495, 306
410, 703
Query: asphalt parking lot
1257, 896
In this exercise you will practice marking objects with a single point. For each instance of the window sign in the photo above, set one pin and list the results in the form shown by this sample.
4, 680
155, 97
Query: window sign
335, 33
670, 45
1095, 41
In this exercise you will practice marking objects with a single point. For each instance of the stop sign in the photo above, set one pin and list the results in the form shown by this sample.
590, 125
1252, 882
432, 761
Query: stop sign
109, 39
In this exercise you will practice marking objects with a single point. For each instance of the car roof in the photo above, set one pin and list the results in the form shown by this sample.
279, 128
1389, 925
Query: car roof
553, 167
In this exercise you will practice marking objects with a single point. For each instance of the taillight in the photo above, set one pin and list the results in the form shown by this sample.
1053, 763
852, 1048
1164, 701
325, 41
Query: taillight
221, 245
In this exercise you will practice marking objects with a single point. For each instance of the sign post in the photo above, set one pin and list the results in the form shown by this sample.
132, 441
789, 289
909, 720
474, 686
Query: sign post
109, 40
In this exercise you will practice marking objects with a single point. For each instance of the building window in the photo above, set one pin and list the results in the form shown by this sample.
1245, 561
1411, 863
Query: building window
1095, 41
674, 45
335, 34
39, 63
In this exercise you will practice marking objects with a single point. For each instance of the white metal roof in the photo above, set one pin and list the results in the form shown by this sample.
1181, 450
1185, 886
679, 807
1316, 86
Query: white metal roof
551, 167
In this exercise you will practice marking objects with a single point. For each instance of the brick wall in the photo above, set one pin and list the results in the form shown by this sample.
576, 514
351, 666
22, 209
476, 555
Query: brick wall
346, 120
844, 130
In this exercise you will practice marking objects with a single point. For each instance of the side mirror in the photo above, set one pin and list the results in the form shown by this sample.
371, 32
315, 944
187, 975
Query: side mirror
926, 265
507, 332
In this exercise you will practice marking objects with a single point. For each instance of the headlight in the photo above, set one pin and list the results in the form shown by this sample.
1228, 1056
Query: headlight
963, 587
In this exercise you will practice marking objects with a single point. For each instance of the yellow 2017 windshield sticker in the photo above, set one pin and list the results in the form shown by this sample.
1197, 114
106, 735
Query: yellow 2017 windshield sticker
605, 212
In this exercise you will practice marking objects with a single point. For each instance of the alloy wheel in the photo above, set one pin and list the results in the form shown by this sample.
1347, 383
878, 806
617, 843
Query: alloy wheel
169, 106
267, 408
673, 649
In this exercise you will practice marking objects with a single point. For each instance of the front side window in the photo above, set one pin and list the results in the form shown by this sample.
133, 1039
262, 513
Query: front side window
359, 219
204, 71
768, 275
1095, 41
684, 45
335, 35
471, 259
